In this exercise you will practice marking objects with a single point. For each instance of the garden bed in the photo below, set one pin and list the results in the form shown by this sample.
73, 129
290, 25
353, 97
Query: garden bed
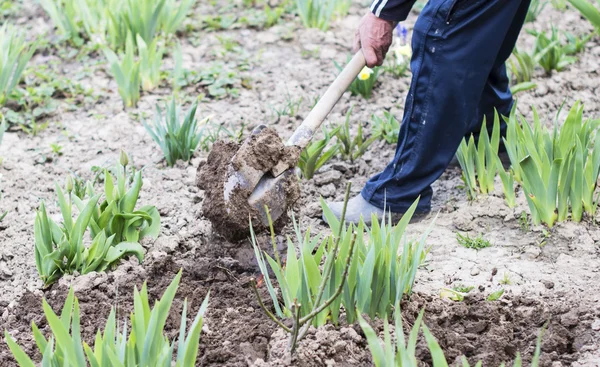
547, 275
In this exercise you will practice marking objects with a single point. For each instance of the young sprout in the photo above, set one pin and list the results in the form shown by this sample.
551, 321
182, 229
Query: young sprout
146, 344
476, 243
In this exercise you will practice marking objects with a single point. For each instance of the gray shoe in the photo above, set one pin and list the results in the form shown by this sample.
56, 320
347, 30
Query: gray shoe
357, 207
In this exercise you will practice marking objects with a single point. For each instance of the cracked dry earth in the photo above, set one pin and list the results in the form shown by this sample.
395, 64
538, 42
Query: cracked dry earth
548, 276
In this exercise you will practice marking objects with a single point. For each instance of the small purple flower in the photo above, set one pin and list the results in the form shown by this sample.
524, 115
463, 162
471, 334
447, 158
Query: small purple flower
402, 33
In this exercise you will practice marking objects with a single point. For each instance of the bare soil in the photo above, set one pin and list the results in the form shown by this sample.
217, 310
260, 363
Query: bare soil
546, 274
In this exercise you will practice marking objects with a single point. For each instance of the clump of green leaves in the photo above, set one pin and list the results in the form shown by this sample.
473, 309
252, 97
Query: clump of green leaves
386, 127
362, 271
557, 169
535, 9
402, 353
316, 13
60, 249
555, 54
144, 345
109, 22
476, 243
352, 148
317, 153
479, 161
576, 44
364, 82
126, 73
117, 213
15, 55
177, 139
150, 60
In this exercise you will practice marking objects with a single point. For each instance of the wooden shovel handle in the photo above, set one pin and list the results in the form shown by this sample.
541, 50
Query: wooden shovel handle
304, 133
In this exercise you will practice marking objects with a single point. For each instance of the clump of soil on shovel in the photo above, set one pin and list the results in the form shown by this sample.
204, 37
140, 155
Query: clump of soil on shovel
263, 151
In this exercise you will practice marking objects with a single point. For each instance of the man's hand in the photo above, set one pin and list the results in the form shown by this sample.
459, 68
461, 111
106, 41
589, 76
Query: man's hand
374, 35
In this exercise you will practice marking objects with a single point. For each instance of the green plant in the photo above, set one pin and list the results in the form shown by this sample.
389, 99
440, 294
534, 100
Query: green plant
60, 249
307, 292
506, 279
479, 162
522, 66
117, 214
56, 149
402, 354
177, 139
145, 345
556, 57
576, 44
524, 221
370, 281
64, 17
126, 73
508, 184
364, 82
494, 296
316, 154
15, 55
342, 7
316, 13
150, 60
476, 243
386, 128
535, 8
588, 10
352, 148
559, 4
558, 169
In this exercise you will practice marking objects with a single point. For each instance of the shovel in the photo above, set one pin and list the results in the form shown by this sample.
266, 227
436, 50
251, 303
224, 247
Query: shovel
268, 187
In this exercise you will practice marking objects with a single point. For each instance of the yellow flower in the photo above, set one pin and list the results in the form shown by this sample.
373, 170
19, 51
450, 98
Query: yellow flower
365, 73
404, 51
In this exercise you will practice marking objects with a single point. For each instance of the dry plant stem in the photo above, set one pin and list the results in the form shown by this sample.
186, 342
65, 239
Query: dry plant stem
296, 327
275, 252
269, 313
304, 322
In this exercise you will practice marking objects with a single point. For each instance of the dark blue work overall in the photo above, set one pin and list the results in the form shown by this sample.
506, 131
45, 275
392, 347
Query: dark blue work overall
458, 77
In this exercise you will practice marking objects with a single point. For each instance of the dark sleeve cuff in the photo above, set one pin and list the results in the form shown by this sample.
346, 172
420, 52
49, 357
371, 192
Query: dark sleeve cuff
396, 13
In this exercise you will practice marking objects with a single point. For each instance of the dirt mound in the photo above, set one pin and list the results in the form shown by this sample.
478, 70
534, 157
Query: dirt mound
261, 152
237, 333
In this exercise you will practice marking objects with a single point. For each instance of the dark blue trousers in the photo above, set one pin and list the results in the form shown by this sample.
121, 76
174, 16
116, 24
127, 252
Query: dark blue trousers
458, 77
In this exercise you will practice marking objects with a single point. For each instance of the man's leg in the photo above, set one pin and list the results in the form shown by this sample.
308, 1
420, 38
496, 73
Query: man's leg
496, 93
455, 48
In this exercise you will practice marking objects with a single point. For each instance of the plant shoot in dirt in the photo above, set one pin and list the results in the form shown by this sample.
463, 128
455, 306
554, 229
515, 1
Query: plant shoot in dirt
117, 214
557, 55
557, 169
494, 296
150, 60
15, 55
476, 243
352, 148
370, 282
479, 161
588, 10
308, 294
508, 184
535, 9
177, 139
316, 13
385, 266
317, 153
576, 44
386, 127
60, 249
402, 353
126, 73
144, 345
